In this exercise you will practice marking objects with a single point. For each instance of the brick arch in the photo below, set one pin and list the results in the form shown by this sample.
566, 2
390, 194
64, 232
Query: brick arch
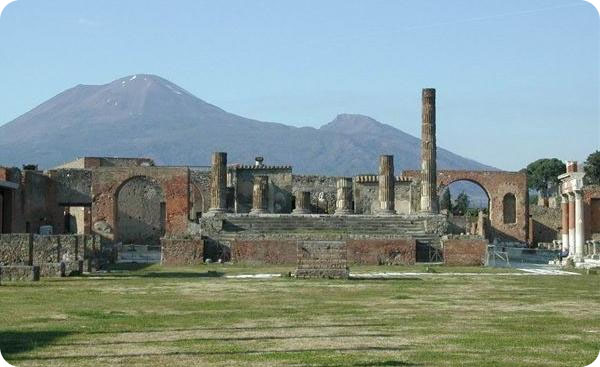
496, 184
442, 187
140, 211
107, 182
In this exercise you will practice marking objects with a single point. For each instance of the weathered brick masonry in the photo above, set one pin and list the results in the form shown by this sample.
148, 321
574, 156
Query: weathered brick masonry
464, 251
182, 251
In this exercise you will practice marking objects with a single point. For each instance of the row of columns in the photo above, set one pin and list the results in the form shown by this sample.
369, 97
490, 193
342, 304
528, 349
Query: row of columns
573, 233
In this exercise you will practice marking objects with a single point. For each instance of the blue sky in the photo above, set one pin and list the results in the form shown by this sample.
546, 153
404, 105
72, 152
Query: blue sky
516, 80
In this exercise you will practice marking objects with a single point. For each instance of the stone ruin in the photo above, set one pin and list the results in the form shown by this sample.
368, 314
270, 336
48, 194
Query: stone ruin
256, 212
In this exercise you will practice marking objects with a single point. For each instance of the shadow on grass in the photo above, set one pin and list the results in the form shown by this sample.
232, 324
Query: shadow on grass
233, 352
128, 266
390, 363
14, 342
234, 339
183, 274
398, 279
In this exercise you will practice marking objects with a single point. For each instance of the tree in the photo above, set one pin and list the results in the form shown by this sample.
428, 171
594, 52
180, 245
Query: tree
543, 174
446, 201
462, 204
592, 169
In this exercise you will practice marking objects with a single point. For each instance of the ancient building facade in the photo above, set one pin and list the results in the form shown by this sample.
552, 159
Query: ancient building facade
580, 208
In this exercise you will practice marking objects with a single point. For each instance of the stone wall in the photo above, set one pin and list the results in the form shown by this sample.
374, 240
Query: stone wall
199, 193
182, 251
19, 273
366, 195
33, 249
272, 252
16, 249
545, 224
322, 192
464, 250
73, 186
382, 252
279, 196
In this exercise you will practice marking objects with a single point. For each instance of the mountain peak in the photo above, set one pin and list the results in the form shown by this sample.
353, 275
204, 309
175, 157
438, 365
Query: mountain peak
348, 123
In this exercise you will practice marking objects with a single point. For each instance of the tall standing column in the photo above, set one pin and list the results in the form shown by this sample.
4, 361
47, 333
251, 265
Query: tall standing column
572, 247
564, 205
387, 180
579, 233
343, 204
302, 203
218, 183
259, 195
429, 202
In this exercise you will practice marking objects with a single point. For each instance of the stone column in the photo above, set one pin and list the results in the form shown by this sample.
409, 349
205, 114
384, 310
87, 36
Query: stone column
564, 205
302, 203
387, 180
579, 231
218, 183
429, 202
343, 204
572, 247
259, 195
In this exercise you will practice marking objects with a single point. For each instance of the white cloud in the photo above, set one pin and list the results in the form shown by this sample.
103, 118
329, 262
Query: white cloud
3, 4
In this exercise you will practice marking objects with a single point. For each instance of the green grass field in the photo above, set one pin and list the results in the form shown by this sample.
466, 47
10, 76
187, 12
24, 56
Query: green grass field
195, 317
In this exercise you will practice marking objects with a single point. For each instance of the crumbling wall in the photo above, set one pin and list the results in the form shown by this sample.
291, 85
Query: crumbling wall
279, 197
322, 192
366, 195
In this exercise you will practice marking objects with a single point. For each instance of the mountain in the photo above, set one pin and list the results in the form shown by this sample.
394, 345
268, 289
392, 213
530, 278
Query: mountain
148, 116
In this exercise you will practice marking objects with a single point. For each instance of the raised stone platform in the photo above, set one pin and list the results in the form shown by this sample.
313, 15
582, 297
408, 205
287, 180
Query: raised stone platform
322, 259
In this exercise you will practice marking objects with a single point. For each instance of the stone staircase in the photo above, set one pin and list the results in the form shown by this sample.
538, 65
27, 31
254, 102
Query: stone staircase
326, 227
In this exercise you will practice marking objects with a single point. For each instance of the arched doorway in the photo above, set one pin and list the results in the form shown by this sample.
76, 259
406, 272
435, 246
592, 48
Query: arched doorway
463, 200
141, 212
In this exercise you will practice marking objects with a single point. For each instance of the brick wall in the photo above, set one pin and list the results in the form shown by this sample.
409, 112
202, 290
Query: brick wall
382, 252
264, 251
182, 251
465, 251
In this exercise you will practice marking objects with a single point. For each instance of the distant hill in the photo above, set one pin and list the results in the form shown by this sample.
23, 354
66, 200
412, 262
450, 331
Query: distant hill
148, 116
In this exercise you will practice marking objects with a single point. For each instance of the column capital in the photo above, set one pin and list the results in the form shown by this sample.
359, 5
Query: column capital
578, 194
